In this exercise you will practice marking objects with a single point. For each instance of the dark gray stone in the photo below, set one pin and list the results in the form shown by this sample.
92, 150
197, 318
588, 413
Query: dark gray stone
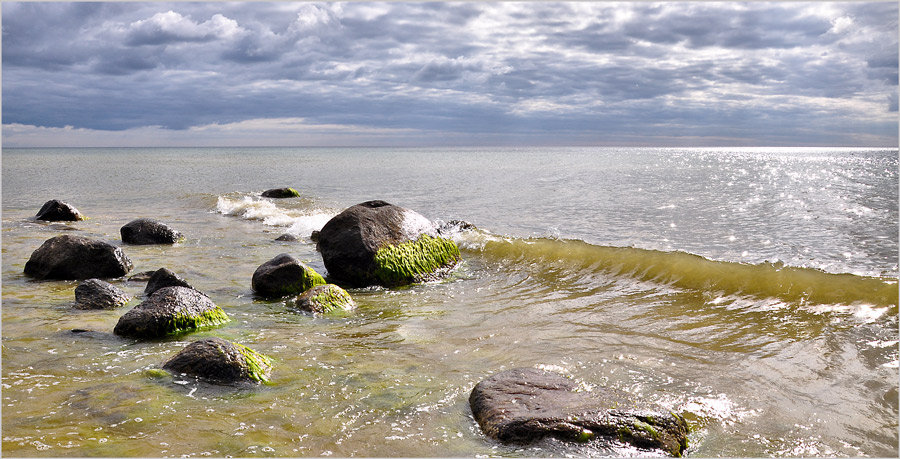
98, 294
168, 311
287, 237
222, 362
280, 193
75, 257
284, 275
147, 231
526, 404
163, 277
58, 211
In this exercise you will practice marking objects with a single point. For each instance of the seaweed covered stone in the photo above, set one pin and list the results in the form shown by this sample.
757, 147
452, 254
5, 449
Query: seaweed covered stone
284, 275
325, 298
221, 362
69, 257
526, 404
377, 243
281, 193
163, 277
148, 231
58, 211
169, 311
98, 294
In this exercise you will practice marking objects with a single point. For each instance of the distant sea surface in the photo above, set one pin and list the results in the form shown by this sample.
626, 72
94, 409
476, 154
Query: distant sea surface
753, 290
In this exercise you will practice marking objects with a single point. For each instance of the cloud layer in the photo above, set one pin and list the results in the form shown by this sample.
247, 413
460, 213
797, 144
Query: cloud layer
454, 73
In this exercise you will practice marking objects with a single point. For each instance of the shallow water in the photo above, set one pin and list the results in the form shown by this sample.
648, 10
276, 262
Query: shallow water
752, 290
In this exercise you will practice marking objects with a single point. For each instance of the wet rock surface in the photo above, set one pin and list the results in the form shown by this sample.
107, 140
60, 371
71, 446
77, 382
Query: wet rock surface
281, 193
170, 310
164, 277
98, 294
75, 257
284, 275
526, 404
222, 362
58, 211
325, 298
148, 231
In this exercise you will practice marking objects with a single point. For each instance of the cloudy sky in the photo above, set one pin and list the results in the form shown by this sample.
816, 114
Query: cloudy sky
568, 73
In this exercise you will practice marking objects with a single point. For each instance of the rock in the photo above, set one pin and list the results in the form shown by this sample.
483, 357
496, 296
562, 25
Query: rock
58, 211
163, 277
284, 275
287, 237
376, 243
454, 226
281, 193
219, 361
314, 236
143, 276
147, 231
98, 294
526, 404
75, 257
325, 298
170, 310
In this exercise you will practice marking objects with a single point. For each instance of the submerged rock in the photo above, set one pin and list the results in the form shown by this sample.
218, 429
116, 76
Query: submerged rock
58, 211
280, 193
148, 231
325, 298
142, 276
163, 277
222, 362
75, 257
284, 275
376, 243
168, 311
525, 404
98, 294
287, 237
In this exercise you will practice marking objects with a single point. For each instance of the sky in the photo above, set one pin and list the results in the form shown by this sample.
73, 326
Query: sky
455, 74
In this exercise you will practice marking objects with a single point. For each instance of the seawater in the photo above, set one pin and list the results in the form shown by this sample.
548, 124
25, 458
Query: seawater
753, 290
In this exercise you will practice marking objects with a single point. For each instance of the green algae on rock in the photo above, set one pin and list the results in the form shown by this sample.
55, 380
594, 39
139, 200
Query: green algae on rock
284, 275
281, 193
415, 261
221, 362
170, 311
325, 298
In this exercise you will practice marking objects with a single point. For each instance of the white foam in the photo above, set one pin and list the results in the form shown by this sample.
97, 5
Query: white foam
298, 221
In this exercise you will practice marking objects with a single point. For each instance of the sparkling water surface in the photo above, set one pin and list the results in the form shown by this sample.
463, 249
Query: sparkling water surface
752, 290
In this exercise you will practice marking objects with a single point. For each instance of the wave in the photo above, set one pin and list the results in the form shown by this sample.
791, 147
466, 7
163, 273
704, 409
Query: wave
300, 221
797, 285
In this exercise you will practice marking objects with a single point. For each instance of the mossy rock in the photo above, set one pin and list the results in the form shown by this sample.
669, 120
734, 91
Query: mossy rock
221, 362
284, 275
281, 193
170, 311
415, 261
325, 298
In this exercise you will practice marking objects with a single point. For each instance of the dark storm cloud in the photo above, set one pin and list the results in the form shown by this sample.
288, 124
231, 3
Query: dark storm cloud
559, 70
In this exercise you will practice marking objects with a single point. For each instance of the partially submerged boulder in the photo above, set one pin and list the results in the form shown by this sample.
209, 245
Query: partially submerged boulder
168, 311
287, 237
222, 362
75, 257
377, 243
284, 275
98, 294
163, 277
58, 211
280, 193
148, 231
525, 404
325, 298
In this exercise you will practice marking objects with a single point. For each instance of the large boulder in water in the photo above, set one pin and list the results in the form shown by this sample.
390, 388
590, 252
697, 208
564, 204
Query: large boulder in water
163, 277
98, 294
526, 404
325, 298
75, 257
222, 362
148, 231
284, 275
376, 243
168, 311
280, 193
58, 211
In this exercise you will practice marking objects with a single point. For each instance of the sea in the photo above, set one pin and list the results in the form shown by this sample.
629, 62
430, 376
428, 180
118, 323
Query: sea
754, 291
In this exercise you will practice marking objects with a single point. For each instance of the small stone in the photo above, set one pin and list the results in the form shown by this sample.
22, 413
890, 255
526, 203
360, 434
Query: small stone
147, 231
325, 298
284, 275
219, 361
287, 237
58, 211
164, 278
98, 294
281, 193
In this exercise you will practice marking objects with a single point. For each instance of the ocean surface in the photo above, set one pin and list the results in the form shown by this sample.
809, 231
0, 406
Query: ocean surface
752, 290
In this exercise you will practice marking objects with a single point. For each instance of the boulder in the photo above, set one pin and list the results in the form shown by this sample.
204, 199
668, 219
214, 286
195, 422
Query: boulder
163, 277
376, 243
58, 211
148, 231
98, 294
325, 298
526, 404
222, 362
287, 237
142, 276
280, 193
75, 257
284, 275
168, 311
